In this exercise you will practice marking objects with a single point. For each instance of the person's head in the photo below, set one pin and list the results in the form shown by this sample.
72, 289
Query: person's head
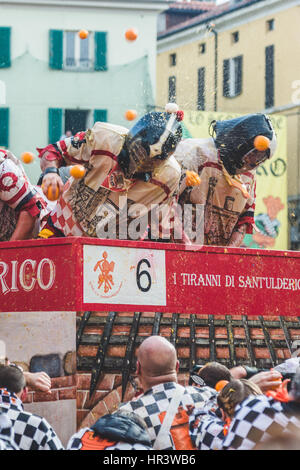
234, 139
150, 141
12, 378
156, 362
69, 134
209, 374
234, 393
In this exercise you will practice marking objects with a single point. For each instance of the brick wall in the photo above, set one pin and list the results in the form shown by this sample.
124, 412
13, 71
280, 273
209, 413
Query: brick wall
62, 388
192, 340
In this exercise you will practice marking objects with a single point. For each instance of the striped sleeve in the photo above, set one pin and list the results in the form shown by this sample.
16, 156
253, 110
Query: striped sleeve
69, 148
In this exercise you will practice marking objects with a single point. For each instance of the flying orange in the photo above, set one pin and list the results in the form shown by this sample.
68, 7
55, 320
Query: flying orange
83, 34
77, 171
130, 114
27, 157
192, 178
131, 34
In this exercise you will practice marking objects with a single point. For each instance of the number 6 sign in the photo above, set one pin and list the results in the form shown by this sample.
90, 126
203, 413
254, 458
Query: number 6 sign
122, 276
140, 273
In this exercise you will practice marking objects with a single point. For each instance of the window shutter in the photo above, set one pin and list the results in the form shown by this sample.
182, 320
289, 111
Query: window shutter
239, 74
55, 124
4, 127
100, 51
201, 89
269, 77
226, 77
172, 89
5, 47
55, 49
100, 115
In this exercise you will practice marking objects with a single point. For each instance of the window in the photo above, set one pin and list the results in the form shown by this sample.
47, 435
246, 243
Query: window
4, 127
269, 76
270, 24
232, 76
172, 58
201, 89
76, 51
202, 48
235, 37
172, 89
68, 52
76, 120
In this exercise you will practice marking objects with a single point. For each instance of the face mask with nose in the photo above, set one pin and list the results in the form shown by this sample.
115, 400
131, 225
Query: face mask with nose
236, 140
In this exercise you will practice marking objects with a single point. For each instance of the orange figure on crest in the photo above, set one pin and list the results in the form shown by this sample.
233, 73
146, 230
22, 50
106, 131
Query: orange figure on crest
105, 277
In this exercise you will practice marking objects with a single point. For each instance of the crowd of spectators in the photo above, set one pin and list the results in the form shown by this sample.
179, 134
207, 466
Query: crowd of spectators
221, 409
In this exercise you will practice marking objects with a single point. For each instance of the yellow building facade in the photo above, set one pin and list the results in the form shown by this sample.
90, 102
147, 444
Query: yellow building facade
238, 61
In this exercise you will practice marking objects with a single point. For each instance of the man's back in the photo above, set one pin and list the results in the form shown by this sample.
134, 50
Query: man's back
153, 405
31, 432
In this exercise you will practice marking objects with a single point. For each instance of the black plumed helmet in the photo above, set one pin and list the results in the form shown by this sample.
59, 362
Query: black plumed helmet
234, 138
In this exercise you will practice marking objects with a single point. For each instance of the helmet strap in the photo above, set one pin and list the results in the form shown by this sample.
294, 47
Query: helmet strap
123, 160
235, 181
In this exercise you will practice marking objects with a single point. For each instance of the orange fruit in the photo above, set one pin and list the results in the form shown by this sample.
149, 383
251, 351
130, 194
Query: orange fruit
83, 34
77, 171
27, 157
131, 34
50, 193
192, 178
130, 114
261, 143
220, 385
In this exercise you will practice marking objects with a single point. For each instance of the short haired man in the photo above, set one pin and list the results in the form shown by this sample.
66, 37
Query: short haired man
164, 402
31, 432
209, 374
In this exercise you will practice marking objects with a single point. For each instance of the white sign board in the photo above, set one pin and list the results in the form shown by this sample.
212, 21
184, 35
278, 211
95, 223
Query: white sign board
121, 275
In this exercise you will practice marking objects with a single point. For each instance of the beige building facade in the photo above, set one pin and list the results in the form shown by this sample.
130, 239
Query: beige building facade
239, 58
